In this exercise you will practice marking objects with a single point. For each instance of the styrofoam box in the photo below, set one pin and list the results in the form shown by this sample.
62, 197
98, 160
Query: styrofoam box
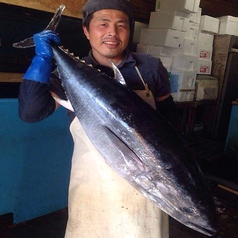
190, 47
204, 66
195, 17
206, 88
182, 80
167, 61
188, 6
209, 24
205, 52
155, 50
183, 96
205, 39
192, 32
162, 37
185, 62
169, 19
228, 25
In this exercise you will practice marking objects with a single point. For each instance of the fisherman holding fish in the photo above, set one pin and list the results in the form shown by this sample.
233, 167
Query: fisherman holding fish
101, 203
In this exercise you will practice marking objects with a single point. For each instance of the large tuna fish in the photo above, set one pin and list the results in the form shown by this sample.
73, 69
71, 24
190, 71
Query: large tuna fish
138, 143
135, 140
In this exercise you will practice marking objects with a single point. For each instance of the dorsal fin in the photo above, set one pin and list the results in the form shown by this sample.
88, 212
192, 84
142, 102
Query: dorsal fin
117, 74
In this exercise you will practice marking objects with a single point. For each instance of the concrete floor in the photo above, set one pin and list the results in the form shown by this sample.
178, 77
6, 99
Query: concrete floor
53, 225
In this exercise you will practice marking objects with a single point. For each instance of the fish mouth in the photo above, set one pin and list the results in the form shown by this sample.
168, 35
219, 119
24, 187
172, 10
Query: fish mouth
209, 231
194, 222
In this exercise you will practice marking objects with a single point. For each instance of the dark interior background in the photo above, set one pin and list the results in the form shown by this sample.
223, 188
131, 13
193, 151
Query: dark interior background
18, 23
214, 8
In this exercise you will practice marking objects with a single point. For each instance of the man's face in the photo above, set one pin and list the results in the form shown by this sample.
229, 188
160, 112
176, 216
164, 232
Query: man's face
108, 33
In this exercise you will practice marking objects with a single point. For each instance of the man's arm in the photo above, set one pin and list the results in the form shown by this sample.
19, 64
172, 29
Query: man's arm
35, 100
166, 107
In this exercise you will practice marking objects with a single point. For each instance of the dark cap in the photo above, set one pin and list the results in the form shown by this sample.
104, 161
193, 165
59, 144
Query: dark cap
92, 6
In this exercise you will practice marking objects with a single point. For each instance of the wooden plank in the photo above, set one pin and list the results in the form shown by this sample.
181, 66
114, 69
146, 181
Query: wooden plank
10, 77
73, 7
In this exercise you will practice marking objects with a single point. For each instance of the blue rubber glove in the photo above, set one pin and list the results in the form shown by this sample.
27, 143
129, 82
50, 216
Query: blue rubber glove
41, 65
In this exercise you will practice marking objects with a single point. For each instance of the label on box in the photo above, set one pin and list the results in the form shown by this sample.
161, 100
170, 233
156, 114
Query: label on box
204, 54
204, 69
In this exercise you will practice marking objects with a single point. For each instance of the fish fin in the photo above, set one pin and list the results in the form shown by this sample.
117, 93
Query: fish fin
64, 103
29, 42
127, 153
117, 74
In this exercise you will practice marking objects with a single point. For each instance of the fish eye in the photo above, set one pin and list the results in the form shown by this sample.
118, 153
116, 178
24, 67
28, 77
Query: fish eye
188, 210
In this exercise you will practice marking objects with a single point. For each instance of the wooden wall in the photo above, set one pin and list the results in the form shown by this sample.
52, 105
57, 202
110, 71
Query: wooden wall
73, 7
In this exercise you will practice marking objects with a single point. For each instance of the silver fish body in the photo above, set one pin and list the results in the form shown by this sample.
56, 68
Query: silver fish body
138, 143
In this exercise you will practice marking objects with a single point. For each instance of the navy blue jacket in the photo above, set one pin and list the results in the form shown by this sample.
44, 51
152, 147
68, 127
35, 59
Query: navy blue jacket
36, 103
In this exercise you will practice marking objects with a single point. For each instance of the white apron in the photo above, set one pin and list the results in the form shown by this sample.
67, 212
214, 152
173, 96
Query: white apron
101, 203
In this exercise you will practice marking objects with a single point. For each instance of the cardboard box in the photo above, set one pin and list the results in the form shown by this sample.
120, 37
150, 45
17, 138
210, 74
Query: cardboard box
162, 37
169, 19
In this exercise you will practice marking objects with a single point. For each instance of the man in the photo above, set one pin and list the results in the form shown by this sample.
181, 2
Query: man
101, 203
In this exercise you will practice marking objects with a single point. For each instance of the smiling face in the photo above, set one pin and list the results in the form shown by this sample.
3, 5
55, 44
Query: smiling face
108, 33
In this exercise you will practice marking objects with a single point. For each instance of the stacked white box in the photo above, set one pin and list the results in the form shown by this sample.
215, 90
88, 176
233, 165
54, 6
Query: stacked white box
182, 80
205, 39
185, 63
188, 6
209, 24
195, 17
175, 20
205, 49
164, 53
204, 66
228, 25
183, 96
190, 47
172, 35
182, 85
162, 37
167, 61
192, 32
205, 52
155, 50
